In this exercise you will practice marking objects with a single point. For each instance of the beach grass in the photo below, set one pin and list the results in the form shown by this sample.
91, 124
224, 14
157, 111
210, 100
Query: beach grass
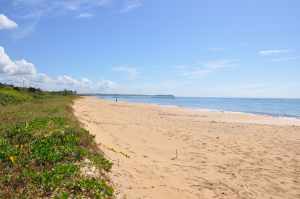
44, 153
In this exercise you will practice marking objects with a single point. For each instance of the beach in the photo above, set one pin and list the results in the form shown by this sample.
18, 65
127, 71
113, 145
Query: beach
170, 152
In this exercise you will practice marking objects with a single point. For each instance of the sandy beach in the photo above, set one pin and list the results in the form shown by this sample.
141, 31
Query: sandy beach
168, 152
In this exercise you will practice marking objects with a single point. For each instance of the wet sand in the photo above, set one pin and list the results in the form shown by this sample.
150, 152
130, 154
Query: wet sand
168, 152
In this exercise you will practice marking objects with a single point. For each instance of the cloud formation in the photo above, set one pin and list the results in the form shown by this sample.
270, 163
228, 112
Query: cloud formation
38, 8
279, 55
199, 70
6, 23
25, 30
218, 64
22, 72
273, 52
61, 4
19, 67
30, 12
131, 5
85, 15
285, 58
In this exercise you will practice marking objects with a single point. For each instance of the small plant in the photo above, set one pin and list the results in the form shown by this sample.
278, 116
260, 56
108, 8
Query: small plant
50, 180
42, 147
100, 162
63, 195
93, 188
8, 152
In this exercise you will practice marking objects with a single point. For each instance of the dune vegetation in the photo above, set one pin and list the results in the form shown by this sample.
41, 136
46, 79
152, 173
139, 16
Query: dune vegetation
44, 153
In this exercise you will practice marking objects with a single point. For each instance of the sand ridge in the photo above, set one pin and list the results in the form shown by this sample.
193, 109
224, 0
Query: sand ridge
161, 152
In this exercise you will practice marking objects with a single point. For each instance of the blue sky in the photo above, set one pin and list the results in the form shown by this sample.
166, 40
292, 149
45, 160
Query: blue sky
231, 48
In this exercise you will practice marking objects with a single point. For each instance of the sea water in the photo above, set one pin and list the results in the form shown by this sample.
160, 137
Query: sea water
274, 107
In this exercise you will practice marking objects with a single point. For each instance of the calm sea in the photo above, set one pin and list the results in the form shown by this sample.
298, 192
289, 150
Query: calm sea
274, 107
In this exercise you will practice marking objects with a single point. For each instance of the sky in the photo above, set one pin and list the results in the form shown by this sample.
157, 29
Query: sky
205, 48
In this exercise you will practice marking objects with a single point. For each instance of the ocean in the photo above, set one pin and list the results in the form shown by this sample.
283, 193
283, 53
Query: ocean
273, 107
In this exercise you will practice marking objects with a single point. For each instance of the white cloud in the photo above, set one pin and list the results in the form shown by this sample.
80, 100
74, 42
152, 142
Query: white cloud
85, 15
22, 72
82, 4
217, 64
86, 81
67, 80
26, 30
41, 78
31, 11
106, 85
34, 10
273, 52
46, 82
23, 67
131, 72
19, 67
6, 23
196, 72
62, 4
82, 85
284, 59
202, 69
131, 5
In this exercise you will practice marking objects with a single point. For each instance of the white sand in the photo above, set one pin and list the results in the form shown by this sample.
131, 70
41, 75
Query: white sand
219, 155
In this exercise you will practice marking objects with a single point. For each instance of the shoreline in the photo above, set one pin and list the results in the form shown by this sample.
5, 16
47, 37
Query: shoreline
162, 152
292, 120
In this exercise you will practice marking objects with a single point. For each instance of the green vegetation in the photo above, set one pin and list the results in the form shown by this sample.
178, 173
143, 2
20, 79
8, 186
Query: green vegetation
43, 149
9, 95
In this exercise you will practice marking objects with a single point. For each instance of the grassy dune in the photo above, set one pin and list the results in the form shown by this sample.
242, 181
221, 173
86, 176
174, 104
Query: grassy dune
44, 153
